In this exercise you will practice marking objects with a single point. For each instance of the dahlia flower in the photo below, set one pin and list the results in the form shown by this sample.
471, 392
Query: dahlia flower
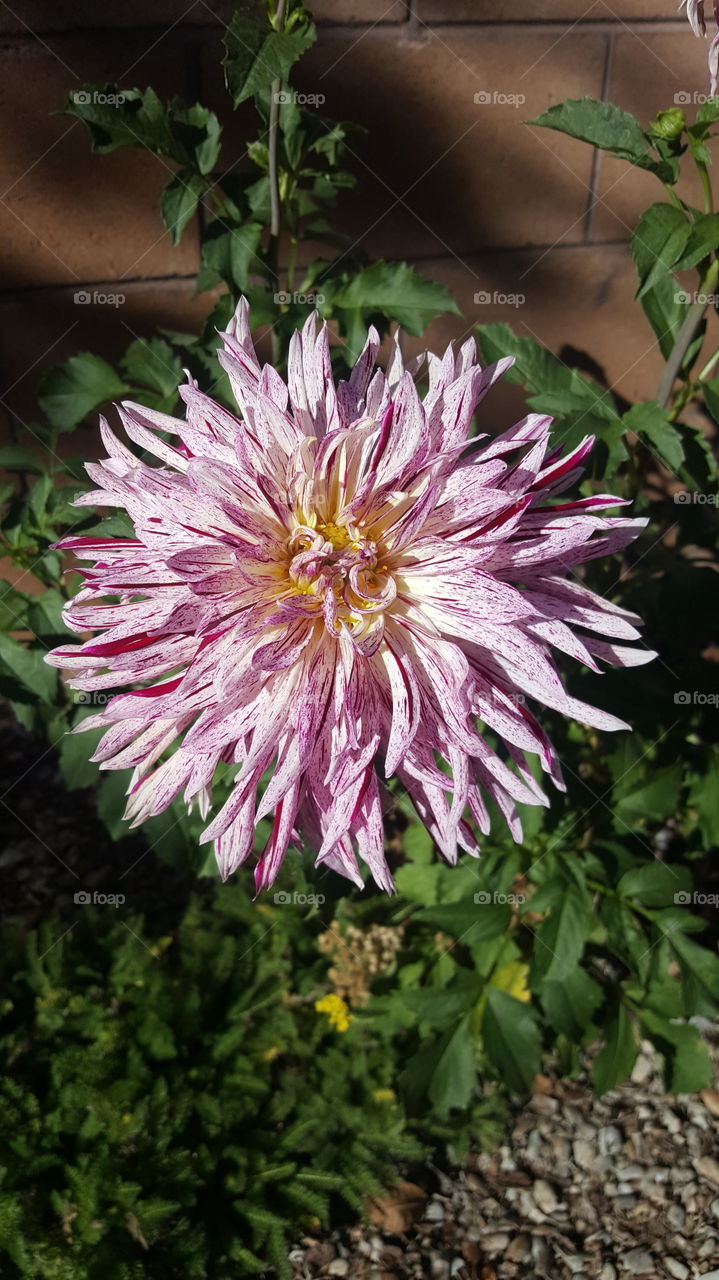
697, 22
340, 583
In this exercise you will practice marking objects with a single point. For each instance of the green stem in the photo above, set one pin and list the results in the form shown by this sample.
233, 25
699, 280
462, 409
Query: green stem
706, 187
273, 248
686, 334
674, 197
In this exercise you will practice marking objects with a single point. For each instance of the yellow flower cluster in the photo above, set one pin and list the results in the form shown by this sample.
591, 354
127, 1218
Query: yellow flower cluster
336, 1010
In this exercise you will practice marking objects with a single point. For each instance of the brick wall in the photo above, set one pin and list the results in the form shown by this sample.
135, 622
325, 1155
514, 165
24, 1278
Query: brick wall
462, 188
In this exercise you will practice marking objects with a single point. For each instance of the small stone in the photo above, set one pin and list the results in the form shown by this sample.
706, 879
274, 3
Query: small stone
676, 1269
710, 1098
671, 1121
520, 1249
584, 1153
338, 1267
643, 1069
543, 1104
638, 1262
610, 1140
544, 1197
608, 1272
676, 1217
434, 1212
494, 1243
707, 1167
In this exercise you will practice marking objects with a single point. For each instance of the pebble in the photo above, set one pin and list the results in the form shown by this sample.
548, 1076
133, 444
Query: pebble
584, 1153
494, 1242
544, 1196
676, 1268
638, 1262
676, 1217
707, 1167
338, 1267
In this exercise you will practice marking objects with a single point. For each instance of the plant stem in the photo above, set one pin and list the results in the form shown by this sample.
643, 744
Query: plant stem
273, 248
706, 187
686, 334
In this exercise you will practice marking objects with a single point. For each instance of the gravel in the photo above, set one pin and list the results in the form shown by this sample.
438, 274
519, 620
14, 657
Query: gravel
583, 1188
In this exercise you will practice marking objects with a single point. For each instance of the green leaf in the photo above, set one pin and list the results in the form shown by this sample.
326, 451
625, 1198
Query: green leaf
688, 1065
578, 405
393, 291
137, 118
230, 257
13, 608
255, 56
45, 615
562, 936
511, 1038
419, 883
455, 1074
438, 1006
28, 667
68, 392
703, 240
699, 965
652, 801
570, 1004
467, 922
614, 1062
656, 884
601, 124
179, 201
153, 364
75, 751
18, 457
650, 423
665, 305
658, 242
704, 797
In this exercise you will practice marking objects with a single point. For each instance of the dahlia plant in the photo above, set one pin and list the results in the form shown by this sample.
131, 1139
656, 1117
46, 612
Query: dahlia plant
340, 584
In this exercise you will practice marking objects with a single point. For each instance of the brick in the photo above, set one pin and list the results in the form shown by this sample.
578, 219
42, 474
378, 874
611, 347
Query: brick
46, 15
68, 215
43, 327
440, 11
646, 75
580, 298
438, 172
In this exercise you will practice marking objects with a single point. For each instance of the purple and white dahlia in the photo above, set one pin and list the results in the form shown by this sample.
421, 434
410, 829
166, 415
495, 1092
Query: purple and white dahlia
337, 585
697, 22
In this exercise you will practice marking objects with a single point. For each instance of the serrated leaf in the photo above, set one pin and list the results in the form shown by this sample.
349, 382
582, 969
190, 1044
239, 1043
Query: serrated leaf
569, 1005
179, 201
395, 291
230, 257
702, 241
650, 423
664, 304
152, 363
255, 56
75, 750
469, 923
704, 797
29, 668
562, 936
511, 1038
656, 884
137, 118
653, 800
601, 124
688, 1065
455, 1074
68, 392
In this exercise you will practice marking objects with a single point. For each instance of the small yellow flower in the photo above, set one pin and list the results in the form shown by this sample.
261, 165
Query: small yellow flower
270, 1054
384, 1095
337, 1011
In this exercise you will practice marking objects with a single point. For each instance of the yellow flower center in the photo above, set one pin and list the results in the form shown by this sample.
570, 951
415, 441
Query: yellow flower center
335, 533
